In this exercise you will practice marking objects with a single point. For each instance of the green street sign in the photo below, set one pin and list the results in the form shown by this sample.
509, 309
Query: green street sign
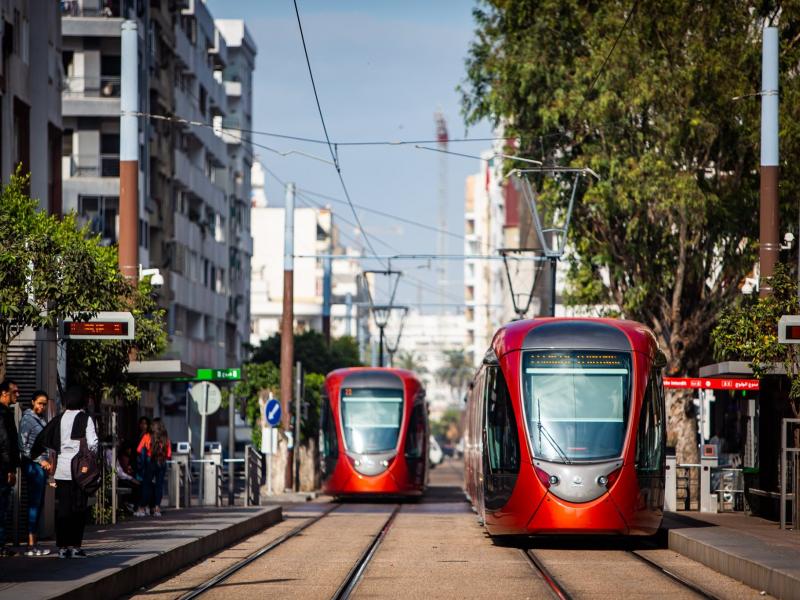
218, 374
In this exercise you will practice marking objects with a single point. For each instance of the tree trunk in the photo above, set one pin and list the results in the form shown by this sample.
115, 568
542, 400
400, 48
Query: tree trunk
682, 426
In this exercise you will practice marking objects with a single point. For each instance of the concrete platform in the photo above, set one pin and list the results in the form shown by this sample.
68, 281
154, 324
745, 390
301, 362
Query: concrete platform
125, 557
748, 549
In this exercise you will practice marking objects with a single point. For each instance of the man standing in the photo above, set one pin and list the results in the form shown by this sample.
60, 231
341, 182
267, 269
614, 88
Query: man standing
9, 455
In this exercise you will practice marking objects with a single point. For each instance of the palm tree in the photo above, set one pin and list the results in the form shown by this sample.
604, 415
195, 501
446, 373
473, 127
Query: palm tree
412, 362
456, 372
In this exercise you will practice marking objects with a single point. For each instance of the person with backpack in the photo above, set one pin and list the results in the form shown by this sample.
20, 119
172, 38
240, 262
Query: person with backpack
155, 450
73, 436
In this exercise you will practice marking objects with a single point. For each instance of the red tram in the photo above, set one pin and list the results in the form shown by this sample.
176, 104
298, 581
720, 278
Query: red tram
374, 433
566, 429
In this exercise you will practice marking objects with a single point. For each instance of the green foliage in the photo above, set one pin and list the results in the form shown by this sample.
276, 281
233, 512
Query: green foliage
448, 427
671, 222
257, 379
100, 366
311, 349
749, 331
410, 362
49, 267
456, 372
312, 398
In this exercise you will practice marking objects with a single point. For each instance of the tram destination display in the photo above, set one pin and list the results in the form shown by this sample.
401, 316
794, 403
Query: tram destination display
104, 326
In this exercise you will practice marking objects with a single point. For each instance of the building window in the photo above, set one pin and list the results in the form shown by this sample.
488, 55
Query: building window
101, 214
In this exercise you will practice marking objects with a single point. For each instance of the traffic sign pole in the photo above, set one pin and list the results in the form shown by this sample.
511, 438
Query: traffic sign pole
203, 443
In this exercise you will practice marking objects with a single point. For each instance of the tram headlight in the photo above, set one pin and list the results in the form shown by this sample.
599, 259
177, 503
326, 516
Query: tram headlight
602, 480
553, 479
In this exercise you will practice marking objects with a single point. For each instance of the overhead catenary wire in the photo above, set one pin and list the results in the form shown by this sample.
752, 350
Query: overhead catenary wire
333, 153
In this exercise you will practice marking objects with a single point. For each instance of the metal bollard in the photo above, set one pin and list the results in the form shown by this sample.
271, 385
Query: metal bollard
671, 485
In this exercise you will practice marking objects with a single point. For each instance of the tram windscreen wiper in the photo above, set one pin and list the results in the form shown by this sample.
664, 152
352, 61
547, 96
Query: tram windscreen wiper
548, 437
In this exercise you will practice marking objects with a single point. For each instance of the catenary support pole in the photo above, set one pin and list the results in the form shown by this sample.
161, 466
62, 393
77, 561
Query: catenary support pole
553, 272
298, 395
287, 322
327, 282
380, 347
231, 449
129, 152
769, 243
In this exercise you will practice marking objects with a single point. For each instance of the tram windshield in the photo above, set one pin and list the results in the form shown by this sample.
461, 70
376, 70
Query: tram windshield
576, 403
371, 419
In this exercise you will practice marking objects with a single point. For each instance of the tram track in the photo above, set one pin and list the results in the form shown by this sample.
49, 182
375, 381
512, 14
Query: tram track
560, 591
344, 590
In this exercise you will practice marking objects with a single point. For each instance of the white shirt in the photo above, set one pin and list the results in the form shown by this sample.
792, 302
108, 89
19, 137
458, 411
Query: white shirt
70, 447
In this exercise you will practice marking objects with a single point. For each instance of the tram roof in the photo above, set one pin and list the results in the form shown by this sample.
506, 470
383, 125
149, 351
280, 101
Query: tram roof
386, 377
575, 332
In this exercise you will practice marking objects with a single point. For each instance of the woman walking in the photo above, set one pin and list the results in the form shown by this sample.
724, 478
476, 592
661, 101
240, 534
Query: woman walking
155, 450
36, 468
63, 434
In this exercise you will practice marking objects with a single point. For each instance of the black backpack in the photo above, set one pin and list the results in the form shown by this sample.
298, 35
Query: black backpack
85, 470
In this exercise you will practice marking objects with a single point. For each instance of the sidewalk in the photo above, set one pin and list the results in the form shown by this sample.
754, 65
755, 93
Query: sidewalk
749, 549
125, 557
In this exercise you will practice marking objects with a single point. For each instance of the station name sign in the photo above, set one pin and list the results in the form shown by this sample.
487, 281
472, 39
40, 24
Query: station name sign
106, 325
697, 383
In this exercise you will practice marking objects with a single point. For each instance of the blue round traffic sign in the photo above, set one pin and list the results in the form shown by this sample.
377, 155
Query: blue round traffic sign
272, 412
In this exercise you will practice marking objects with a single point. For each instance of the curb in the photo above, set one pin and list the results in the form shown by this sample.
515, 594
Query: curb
729, 557
117, 582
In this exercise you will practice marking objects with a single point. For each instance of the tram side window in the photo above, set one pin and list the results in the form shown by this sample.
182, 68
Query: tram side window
330, 444
501, 426
415, 438
649, 438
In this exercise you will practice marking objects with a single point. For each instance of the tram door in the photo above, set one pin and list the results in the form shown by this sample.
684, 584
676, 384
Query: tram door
650, 450
480, 441
417, 444
501, 451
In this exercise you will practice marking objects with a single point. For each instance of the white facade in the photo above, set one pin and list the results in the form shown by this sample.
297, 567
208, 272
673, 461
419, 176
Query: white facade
312, 231
426, 337
484, 280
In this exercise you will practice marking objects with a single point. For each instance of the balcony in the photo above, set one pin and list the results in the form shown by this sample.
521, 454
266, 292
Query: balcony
91, 165
196, 181
92, 18
91, 97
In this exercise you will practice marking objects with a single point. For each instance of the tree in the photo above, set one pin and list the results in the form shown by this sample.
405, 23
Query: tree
49, 268
311, 349
448, 427
257, 379
100, 366
749, 331
667, 234
456, 372
412, 362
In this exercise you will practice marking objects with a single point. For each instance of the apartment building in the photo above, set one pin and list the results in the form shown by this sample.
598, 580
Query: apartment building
30, 137
194, 181
485, 287
315, 233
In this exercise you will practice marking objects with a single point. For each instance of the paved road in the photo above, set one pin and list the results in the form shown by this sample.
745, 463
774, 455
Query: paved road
436, 549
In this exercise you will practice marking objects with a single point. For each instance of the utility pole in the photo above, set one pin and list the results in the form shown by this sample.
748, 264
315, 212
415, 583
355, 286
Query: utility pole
326, 285
129, 153
769, 243
298, 395
287, 323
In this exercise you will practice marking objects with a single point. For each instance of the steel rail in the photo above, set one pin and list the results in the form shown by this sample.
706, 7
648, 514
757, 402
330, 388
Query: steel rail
675, 577
220, 577
354, 576
557, 589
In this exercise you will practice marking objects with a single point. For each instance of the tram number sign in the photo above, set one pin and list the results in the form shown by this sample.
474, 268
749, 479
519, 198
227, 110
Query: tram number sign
696, 383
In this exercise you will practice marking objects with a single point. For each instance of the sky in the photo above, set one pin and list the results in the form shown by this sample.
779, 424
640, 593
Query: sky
382, 68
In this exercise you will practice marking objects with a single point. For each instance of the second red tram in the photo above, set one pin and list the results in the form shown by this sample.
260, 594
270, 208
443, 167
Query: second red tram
374, 433
566, 431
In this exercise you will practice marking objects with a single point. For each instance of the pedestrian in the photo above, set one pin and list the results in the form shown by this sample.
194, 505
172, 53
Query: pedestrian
9, 455
144, 427
36, 468
63, 434
155, 450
